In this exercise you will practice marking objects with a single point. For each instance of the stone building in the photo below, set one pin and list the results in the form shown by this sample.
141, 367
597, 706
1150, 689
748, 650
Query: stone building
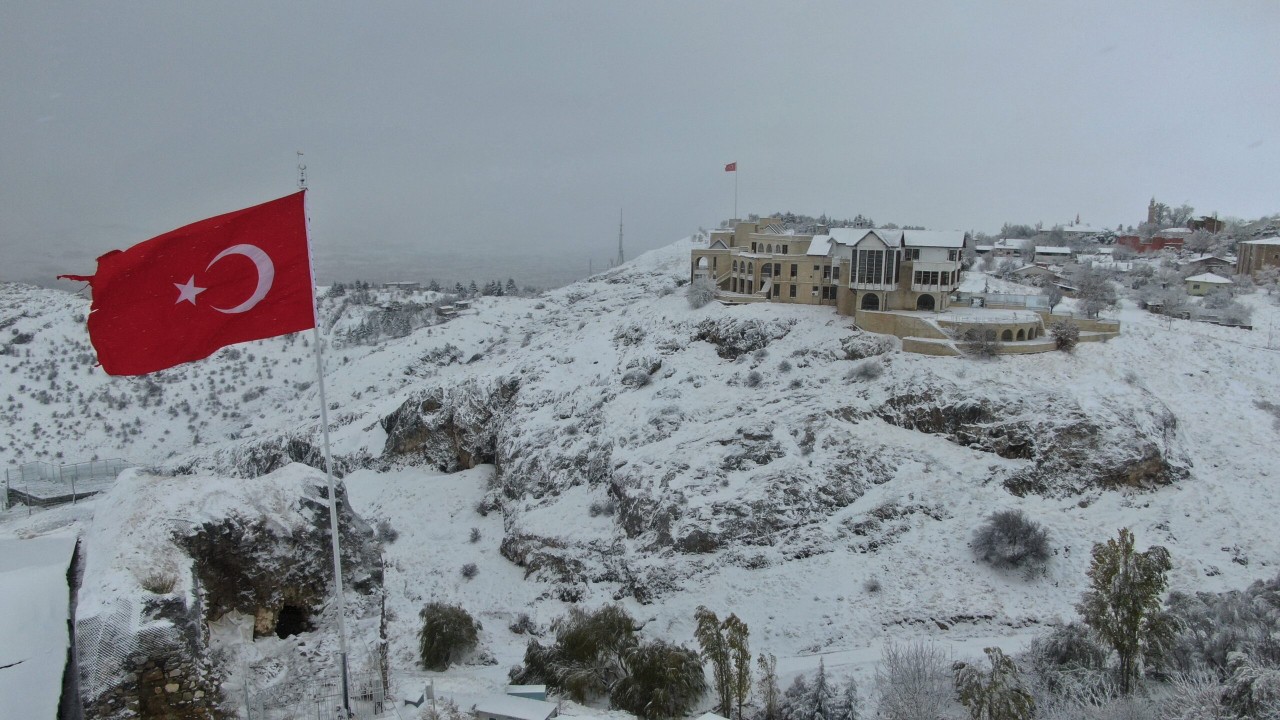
1254, 255
848, 268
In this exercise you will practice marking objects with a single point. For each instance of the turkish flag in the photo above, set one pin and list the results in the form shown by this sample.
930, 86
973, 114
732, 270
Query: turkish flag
242, 276
731, 167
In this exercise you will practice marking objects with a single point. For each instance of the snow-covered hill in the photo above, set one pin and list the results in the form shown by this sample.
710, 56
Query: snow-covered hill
610, 443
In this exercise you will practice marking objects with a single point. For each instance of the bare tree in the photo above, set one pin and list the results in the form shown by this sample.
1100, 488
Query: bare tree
913, 682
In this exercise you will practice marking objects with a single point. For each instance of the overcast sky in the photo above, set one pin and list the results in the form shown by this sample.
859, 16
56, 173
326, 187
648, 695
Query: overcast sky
515, 131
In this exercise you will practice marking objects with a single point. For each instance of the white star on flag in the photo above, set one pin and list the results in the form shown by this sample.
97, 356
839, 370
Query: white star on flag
189, 291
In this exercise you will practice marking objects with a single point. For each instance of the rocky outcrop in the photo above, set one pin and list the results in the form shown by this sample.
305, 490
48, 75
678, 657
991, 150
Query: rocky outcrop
453, 430
154, 582
733, 336
1114, 444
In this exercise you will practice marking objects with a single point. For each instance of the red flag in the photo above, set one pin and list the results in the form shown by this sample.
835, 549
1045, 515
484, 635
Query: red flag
242, 276
731, 167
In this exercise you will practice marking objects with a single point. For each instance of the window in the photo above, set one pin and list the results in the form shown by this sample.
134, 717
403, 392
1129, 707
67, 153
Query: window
777, 269
826, 272
1195, 286
952, 255
793, 269
735, 266
784, 250
753, 247
816, 268
835, 273
792, 291
913, 253
768, 248
751, 268
713, 262
870, 267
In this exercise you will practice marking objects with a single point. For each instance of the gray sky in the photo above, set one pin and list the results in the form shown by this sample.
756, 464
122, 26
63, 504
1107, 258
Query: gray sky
512, 132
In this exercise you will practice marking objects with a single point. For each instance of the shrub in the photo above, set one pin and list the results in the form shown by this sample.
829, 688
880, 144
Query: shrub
866, 370
587, 657
448, 633
977, 343
384, 533
754, 378
872, 585
1065, 335
1068, 647
474, 537
523, 624
1009, 539
784, 366
700, 292
660, 681
470, 570
160, 583
636, 379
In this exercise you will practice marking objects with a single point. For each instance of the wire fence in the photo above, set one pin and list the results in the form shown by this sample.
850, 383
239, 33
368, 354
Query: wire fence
42, 484
321, 699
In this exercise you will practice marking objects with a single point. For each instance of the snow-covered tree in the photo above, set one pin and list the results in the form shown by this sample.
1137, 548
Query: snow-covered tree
701, 292
913, 682
994, 695
1094, 289
724, 645
1123, 605
660, 681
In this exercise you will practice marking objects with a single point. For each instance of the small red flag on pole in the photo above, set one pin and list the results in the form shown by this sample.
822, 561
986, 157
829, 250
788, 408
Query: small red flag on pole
731, 167
181, 296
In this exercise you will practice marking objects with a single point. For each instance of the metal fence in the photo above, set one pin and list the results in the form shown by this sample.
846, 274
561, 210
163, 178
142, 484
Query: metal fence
43, 484
321, 699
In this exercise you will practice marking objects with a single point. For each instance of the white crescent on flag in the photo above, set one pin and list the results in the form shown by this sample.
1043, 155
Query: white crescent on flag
266, 275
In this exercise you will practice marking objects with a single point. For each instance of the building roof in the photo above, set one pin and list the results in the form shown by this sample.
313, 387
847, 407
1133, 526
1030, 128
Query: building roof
516, 707
1262, 241
1052, 250
933, 238
1082, 228
1210, 278
1171, 232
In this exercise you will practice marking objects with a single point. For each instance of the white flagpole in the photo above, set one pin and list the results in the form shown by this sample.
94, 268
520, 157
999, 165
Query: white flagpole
338, 597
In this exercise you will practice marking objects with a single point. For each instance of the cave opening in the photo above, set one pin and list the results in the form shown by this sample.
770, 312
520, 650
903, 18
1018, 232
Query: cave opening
293, 620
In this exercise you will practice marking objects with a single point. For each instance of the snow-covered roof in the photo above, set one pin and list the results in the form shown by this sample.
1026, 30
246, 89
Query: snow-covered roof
1082, 229
1262, 241
1198, 258
821, 245
1015, 243
933, 238
516, 707
1052, 250
1172, 232
984, 248
1210, 278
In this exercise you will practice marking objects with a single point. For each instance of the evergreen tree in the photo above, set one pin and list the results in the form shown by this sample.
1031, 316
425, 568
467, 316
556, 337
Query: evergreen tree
997, 695
511, 287
848, 704
447, 633
472, 290
1122, 604
433, 286
822, 702
459, 290
497, 288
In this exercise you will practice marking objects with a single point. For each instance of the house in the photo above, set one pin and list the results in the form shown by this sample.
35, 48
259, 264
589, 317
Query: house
528, 692
1160, 240
1254, 255
403, 285
1081, 230
1207, 223
1052, 255
849, 268
510, 707
1206, 263
1008, 247
1206, 283
1037, 275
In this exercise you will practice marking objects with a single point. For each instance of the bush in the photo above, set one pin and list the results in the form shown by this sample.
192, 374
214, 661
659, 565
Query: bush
872, 585
587, 657
523, 624
160, 583
784, 366
866, 370
700, 292
470, 570
1009, 540
660, 681
1065, 335
754, 378
384, 533
474, 537
914, 681
977, 343
448, 633
636, 379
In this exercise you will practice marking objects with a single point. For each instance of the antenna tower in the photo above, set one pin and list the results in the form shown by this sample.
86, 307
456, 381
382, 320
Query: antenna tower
620, 257
302, 173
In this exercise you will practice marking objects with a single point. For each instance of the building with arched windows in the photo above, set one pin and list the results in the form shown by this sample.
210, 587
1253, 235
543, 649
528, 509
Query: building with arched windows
851, 269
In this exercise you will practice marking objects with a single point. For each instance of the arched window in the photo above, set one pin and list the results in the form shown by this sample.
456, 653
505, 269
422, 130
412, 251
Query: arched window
1022, 335
1006, 336
768, 248
924, 302
751, 268
870, 301
735, 266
